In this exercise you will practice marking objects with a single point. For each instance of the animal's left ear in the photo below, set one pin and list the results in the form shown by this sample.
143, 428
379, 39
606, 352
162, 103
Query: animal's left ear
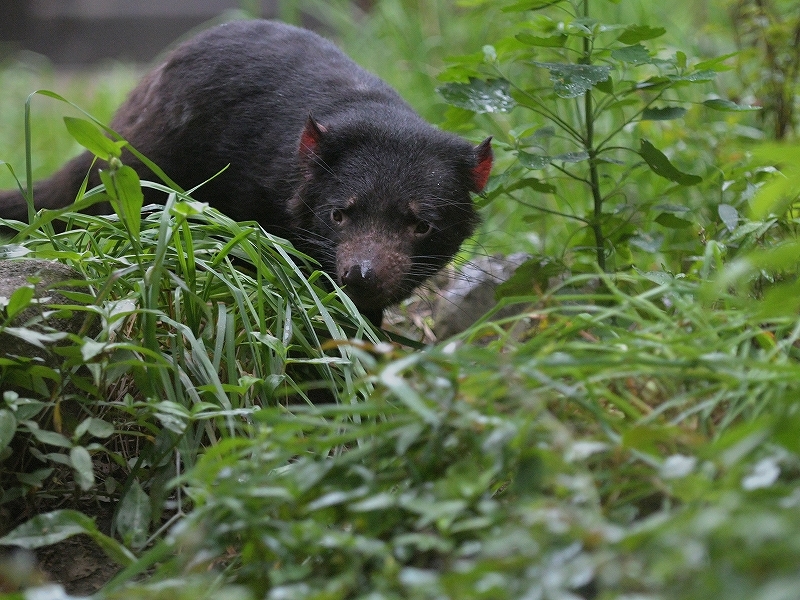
310, 139
483, 165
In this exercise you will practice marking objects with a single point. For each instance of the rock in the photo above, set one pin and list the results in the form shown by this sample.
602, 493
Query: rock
471, 294
35, 328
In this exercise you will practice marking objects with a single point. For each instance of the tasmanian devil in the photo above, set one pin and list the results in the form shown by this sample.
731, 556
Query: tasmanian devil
321, 152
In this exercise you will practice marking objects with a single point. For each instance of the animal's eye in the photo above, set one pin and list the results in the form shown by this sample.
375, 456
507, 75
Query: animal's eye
337, 216
422, 228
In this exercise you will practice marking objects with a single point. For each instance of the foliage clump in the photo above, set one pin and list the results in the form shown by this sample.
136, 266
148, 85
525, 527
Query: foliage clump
629, 433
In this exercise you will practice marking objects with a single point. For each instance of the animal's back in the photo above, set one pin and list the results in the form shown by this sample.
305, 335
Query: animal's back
235, 90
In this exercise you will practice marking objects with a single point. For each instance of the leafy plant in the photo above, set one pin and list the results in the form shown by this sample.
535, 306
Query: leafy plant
202, 321
767, 33
586, 94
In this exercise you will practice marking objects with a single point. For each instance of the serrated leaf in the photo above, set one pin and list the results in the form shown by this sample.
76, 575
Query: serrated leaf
133, 516
667, 113
729, 216
82, 467
670, 221
8, 427
19, 300
661, 165
637, 54
90, 137
479, 95
571, 80
639, 33
728, 106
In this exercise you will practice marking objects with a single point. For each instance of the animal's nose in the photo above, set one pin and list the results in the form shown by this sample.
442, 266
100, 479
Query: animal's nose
359, 275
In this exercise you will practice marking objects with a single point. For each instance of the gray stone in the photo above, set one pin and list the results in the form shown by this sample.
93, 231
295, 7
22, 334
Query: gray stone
471, 294
45, 325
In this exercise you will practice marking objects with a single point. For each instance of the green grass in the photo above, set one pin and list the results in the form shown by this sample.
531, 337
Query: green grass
623, 435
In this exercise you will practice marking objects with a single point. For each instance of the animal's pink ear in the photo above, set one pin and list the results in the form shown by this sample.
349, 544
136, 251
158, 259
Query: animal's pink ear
310, 139
483, 165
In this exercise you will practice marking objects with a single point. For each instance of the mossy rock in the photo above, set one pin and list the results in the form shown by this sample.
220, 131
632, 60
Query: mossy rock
41, 324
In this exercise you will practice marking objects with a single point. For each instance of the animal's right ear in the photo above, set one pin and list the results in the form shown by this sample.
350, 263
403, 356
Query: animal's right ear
483, 165
310, 140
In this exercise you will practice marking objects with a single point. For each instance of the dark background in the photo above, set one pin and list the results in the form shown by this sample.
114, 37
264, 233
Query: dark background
76, 33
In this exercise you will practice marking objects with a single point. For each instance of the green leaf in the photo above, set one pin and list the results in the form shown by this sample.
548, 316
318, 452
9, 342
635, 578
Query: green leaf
19, 300
670, 221
607, 86
533, 161
51, 438
479, 96
524, 5
133, 517
96, 428
729, 216
554, 41
56, 526
570, 80
571, 157
667, 113
8, 427
694, 77
125, 191
639, 33
661, 165
637, 55
729, 106
90, 137
82, 467
715, 64
35, 338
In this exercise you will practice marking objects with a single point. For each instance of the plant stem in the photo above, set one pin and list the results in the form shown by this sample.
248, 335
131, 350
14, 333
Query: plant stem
594, 176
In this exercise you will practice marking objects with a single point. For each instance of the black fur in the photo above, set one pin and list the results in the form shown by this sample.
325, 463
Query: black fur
320, 152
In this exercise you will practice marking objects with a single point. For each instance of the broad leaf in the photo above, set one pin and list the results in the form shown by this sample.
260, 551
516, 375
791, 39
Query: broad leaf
553, 41
91, 138
694, 77
524, 5
571, 157
479, 96
637, 55
8, 427
661, 166
729, 216
82, 467
56, 526
570, 81
638, 33
133, 518
19, 300
667, 113
125, 189
670, 221
729, 106
533, 161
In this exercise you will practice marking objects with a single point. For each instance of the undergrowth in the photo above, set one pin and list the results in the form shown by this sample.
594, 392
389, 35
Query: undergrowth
619, 432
